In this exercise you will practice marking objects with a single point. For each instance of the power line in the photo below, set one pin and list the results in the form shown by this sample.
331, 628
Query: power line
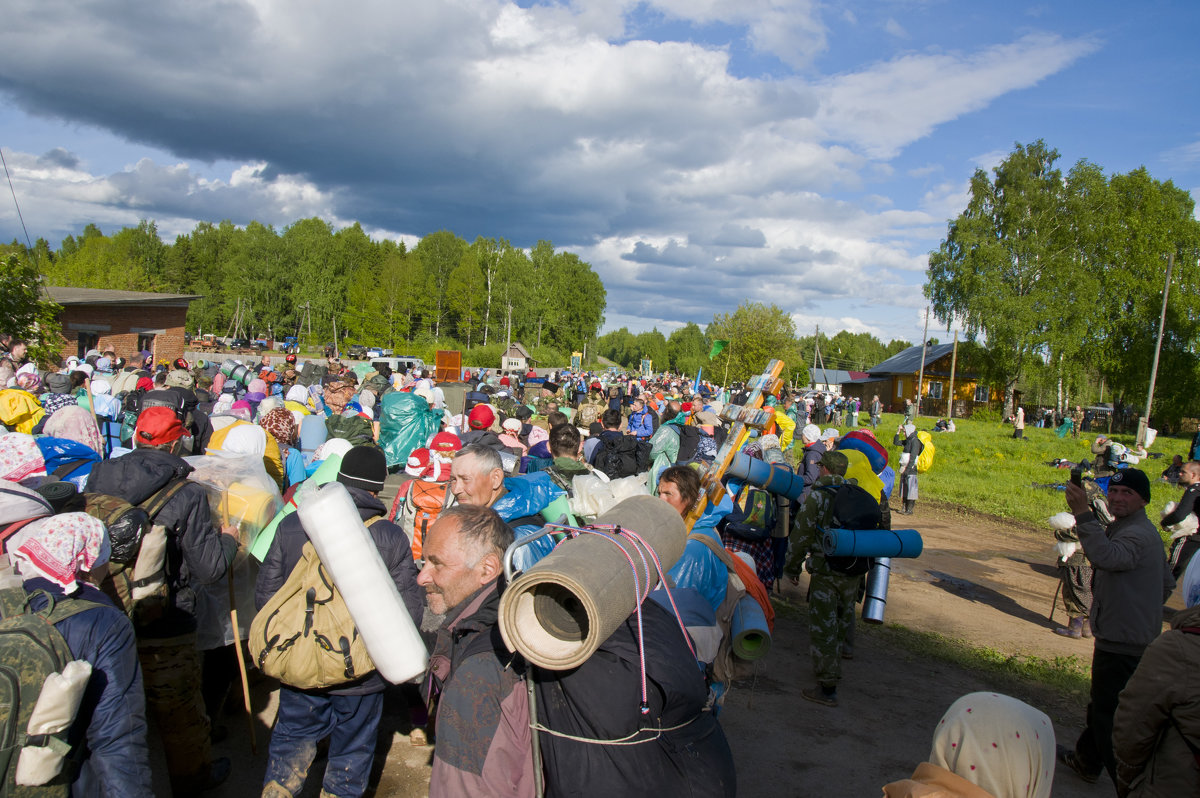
14, 196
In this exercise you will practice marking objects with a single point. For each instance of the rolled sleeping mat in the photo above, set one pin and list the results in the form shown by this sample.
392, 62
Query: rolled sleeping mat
860, 441
333, 524
875, 600
556, 509
748, 627
313, 433
558, 612
872, 543
326, 472
771, 478
235, 371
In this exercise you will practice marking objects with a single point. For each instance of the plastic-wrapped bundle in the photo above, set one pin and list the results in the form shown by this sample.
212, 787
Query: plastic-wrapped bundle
872, 543
235, 371
342, 541
53, 714
751, 637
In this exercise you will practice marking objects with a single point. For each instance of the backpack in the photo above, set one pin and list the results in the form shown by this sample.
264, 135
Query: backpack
416, 508
136, 580
31, 649
588, 413
852, 508
355, 429
623, 456
925, 458
753, 517
304, 636
689, 443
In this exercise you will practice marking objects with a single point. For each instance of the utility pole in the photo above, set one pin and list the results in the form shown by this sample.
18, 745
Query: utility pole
812, 374
1144, 421
336, 346
953, 364
924, 349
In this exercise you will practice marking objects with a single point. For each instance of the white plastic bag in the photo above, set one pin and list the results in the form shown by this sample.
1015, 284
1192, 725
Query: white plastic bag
54, 712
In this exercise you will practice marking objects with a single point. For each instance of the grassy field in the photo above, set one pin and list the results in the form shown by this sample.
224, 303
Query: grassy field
982, 468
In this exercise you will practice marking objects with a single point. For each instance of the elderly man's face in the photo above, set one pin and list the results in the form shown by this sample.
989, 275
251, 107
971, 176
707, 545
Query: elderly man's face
469, 486
1123, 501
452, 572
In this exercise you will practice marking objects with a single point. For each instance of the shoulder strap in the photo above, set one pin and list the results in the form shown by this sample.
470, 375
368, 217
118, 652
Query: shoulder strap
722, 554
12, 529
68, 467
371, 522
155, 504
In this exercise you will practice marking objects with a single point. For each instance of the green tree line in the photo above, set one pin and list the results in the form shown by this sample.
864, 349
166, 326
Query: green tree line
756, 333
310, 279
1062, 276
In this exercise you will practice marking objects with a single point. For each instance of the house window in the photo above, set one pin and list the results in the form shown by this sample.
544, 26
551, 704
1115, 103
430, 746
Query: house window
899, 389
981, 393
146, 342
88, 340
935, 390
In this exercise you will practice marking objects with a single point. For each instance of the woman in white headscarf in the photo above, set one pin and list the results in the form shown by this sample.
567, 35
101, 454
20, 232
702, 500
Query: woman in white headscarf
1156, 731
987, 745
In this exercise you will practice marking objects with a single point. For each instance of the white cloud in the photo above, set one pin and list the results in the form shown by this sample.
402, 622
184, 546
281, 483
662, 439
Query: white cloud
651, 159
894, 28
894, 103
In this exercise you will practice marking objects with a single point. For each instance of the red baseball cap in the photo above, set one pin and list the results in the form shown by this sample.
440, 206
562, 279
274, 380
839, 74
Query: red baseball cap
418, 461
157, 426
481, 417
445, 443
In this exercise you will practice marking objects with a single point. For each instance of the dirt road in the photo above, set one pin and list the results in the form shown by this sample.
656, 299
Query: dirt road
978, 580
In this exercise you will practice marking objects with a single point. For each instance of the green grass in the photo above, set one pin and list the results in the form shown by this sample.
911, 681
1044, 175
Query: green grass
1069, 676
981, 468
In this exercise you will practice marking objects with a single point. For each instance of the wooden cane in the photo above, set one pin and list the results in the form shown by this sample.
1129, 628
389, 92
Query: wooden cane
237, 646
1054, 603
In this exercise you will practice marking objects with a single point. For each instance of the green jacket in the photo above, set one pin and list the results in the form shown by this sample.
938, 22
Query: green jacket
805, 537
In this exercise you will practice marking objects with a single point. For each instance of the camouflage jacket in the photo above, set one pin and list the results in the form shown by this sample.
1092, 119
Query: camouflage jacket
806, 529
543, 403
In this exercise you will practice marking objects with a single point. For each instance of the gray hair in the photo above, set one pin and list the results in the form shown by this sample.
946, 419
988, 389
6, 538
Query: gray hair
487, 458
481, 529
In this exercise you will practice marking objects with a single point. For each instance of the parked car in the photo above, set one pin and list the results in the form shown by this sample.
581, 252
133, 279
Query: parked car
356, 352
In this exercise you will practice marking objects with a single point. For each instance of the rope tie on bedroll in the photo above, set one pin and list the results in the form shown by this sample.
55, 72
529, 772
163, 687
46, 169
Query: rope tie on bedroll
557, 613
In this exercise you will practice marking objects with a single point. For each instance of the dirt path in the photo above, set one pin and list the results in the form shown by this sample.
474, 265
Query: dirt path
978, 580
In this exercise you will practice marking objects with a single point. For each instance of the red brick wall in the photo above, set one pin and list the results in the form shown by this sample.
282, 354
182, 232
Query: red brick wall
121, 322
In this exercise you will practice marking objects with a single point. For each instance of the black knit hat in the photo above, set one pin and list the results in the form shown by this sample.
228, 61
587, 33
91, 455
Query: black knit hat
1135, 480
364, 467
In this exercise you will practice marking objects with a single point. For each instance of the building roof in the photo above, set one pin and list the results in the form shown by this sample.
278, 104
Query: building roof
833, 376
520, 351
909, 361
68, 295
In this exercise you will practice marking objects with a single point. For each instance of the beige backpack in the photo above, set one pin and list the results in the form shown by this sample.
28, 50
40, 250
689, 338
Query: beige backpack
304, 636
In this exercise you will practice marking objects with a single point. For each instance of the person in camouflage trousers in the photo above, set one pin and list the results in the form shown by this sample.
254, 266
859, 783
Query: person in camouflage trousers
831, 594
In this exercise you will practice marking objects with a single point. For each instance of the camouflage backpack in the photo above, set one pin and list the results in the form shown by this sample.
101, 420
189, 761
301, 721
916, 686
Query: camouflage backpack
30, 650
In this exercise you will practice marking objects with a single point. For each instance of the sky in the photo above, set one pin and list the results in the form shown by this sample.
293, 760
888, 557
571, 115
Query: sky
698, 153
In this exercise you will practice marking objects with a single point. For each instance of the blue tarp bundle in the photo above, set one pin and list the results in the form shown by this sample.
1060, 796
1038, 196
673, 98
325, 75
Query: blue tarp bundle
872, 543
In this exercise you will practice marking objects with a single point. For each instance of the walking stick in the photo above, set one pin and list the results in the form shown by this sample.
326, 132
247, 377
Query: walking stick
237, 646
1054, 603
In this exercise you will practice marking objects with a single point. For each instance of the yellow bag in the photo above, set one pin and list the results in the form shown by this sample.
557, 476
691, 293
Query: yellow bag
925, 459
304, 636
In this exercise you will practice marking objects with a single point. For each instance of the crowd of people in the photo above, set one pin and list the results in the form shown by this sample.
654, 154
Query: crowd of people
105, 435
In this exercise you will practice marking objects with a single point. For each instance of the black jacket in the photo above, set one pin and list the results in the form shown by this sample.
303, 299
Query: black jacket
197, 552
1186, 506
393, 548
912, 447
600, 700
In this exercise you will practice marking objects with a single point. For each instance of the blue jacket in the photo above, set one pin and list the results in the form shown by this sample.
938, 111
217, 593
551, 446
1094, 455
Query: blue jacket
111, 721
641, 424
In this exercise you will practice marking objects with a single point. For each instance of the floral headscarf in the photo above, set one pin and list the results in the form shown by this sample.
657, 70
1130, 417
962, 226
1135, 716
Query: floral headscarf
20, 457
29, 381
58, 547
76, 424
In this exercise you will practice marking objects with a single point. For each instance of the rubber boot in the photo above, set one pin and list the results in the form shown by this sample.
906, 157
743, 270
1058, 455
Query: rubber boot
1086, 631
908, 506
1073, 629
273, 789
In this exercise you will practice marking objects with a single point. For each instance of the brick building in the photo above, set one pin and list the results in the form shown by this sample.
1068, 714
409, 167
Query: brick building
126, 321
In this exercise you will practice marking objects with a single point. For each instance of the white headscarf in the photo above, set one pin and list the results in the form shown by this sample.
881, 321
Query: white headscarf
245, 439
298, 394
1003, 745
331, 447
